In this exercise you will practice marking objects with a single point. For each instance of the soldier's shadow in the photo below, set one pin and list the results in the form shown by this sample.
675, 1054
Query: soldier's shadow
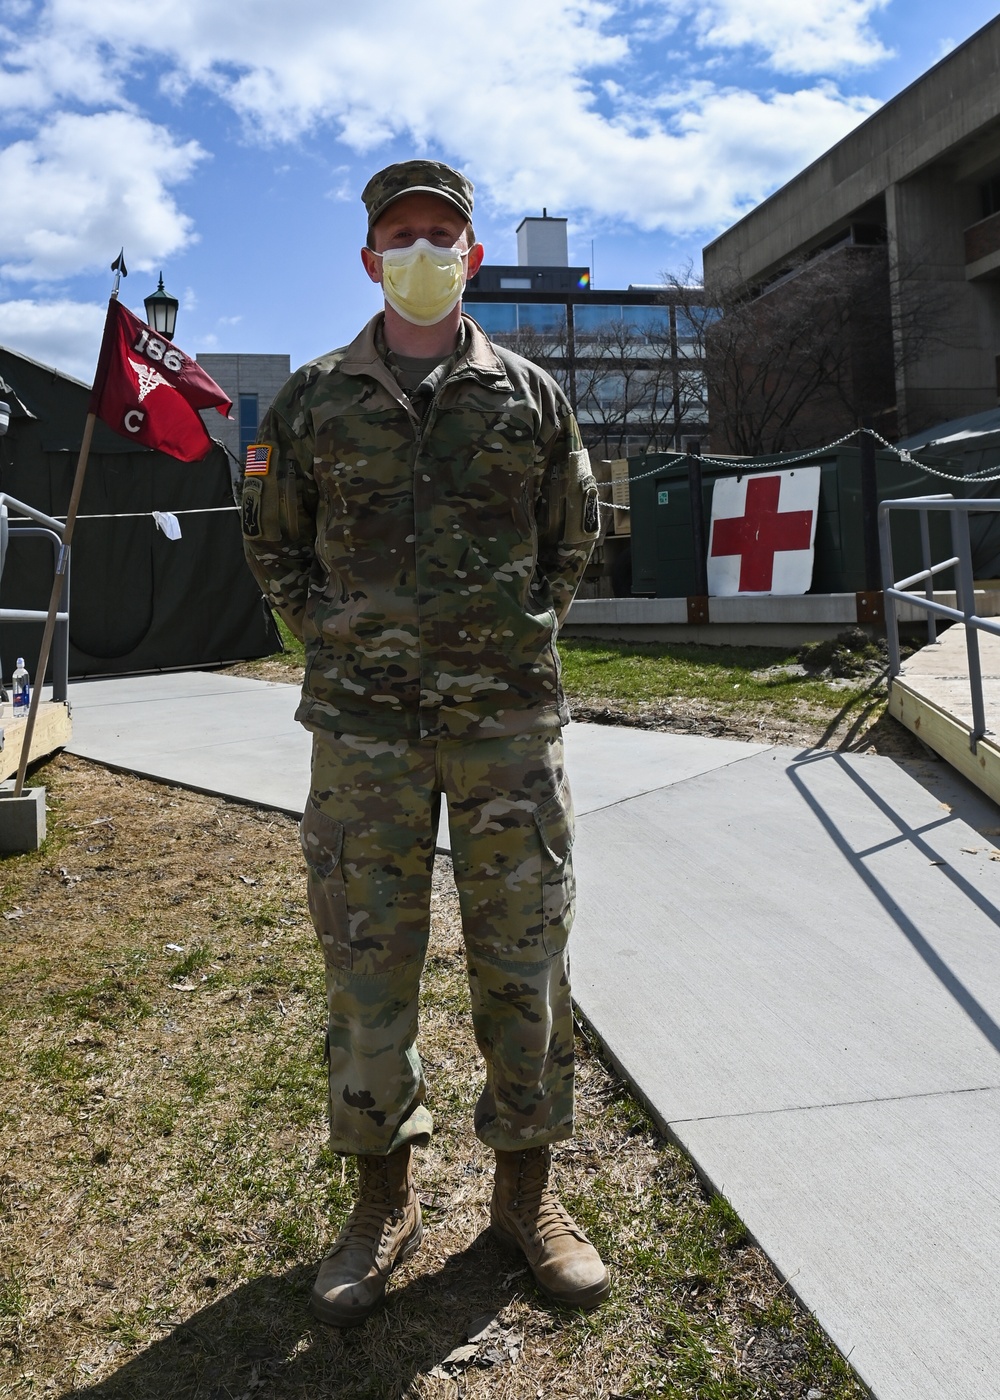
260, 1341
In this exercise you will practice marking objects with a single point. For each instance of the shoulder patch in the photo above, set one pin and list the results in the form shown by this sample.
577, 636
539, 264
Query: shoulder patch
591, 512
251, 510
258, 459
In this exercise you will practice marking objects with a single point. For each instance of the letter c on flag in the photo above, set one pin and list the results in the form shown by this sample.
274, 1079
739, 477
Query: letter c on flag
134, 419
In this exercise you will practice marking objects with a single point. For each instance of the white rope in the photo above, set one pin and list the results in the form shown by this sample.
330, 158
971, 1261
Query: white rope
142, 514
743, 466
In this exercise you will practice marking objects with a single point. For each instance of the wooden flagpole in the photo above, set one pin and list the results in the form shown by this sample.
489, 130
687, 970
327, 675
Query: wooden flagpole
62, 565
62, 562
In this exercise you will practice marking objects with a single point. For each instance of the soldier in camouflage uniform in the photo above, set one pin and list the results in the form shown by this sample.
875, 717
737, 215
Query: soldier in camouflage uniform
419, 509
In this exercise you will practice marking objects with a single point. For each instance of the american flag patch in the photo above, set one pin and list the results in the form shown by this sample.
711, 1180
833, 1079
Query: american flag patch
258, 459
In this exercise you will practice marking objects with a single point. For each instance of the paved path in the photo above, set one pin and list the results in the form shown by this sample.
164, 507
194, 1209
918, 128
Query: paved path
795, 958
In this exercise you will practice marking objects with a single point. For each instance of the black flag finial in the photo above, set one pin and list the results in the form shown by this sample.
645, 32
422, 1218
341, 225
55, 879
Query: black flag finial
120, 270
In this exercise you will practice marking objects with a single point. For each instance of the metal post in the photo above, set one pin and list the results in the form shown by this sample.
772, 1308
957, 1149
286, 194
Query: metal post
60, 649
869, 512
60, 637
698, 540
891, 621
965, 598
925, 564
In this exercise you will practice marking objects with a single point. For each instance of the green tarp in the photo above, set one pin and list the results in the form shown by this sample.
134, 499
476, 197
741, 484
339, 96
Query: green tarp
138, 601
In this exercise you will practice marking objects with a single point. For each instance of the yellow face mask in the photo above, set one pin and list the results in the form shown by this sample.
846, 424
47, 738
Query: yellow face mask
423, 283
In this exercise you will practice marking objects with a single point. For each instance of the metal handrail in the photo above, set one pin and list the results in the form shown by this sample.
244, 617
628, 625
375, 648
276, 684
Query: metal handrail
965, 589
45, 527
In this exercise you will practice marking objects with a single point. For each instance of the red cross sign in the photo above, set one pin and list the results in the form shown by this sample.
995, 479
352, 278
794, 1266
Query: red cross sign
763, 533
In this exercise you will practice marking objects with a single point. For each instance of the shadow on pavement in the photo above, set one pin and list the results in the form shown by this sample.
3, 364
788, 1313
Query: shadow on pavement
915, 836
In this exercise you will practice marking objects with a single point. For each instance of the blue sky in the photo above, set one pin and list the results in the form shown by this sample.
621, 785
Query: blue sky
229, 145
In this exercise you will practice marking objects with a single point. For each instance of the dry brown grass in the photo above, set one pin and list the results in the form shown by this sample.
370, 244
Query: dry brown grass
166, 1191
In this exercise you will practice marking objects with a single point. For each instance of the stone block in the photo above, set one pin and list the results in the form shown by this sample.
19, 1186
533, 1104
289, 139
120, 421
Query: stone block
22, 819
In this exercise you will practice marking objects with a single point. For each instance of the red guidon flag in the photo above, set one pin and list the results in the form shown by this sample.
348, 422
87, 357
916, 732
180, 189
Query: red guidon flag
149, 391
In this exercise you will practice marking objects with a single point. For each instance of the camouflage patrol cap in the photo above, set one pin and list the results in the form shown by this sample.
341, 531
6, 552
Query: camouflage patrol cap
416, 177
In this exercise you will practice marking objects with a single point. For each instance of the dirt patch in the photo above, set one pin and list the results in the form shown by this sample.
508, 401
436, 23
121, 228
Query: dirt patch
867, 729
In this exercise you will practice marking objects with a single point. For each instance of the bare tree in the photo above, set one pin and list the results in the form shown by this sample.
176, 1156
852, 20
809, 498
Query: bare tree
546, 348
625, 384
626, 389
813, 354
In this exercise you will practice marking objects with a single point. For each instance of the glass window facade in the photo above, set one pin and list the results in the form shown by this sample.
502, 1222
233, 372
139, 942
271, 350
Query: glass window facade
496, 318
650, 320
989, 194
249, 422
589, 319
644, 320
629, 375
642, 391
504, 318
547, 318
691, 329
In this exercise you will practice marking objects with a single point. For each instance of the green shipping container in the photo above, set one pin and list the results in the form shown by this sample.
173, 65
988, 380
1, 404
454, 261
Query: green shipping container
662, 550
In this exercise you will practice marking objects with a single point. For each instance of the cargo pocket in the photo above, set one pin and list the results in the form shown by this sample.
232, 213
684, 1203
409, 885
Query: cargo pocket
322, 844
554, 820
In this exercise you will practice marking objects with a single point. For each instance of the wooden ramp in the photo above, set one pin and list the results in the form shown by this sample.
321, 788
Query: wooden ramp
931, 696
52, 731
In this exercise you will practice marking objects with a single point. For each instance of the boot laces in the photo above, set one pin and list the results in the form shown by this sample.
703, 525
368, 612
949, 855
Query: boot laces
537, 1198
373, 1218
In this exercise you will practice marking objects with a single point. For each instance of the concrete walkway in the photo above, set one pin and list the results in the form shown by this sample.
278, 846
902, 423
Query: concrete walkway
793, 957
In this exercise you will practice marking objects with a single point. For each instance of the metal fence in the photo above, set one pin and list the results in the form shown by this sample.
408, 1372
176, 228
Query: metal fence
43, 527
896, 591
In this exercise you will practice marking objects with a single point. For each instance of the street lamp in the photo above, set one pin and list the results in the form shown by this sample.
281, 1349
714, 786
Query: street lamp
161, 311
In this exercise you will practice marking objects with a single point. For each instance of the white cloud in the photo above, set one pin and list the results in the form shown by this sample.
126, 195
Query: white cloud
567, 119
795, 36
46, 69
85, 185
800, 36
383, 68
64, 334
722, 152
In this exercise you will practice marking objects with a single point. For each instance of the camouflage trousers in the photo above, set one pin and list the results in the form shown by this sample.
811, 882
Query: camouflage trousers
369, 834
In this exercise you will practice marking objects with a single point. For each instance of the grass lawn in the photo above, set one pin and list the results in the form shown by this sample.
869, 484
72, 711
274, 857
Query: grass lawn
739, 678
734, 692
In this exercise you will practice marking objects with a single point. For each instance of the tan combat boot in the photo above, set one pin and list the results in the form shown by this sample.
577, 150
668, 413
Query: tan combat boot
526, 1214
382, 1230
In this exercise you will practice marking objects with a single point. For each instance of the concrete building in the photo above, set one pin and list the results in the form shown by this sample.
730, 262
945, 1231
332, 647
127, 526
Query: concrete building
251, 381
625, 357
922, 173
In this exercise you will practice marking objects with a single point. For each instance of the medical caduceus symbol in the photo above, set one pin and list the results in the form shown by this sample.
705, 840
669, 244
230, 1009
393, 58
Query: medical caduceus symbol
149, 378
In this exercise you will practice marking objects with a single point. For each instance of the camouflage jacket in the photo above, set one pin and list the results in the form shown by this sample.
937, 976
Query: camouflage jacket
426, 560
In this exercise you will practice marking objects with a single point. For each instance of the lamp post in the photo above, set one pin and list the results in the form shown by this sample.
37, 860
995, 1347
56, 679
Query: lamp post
161, 311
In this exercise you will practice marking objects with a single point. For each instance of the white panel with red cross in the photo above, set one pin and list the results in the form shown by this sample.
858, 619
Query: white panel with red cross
763, 532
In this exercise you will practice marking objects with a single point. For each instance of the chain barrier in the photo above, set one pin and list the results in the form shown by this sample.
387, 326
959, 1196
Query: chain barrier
743, 466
